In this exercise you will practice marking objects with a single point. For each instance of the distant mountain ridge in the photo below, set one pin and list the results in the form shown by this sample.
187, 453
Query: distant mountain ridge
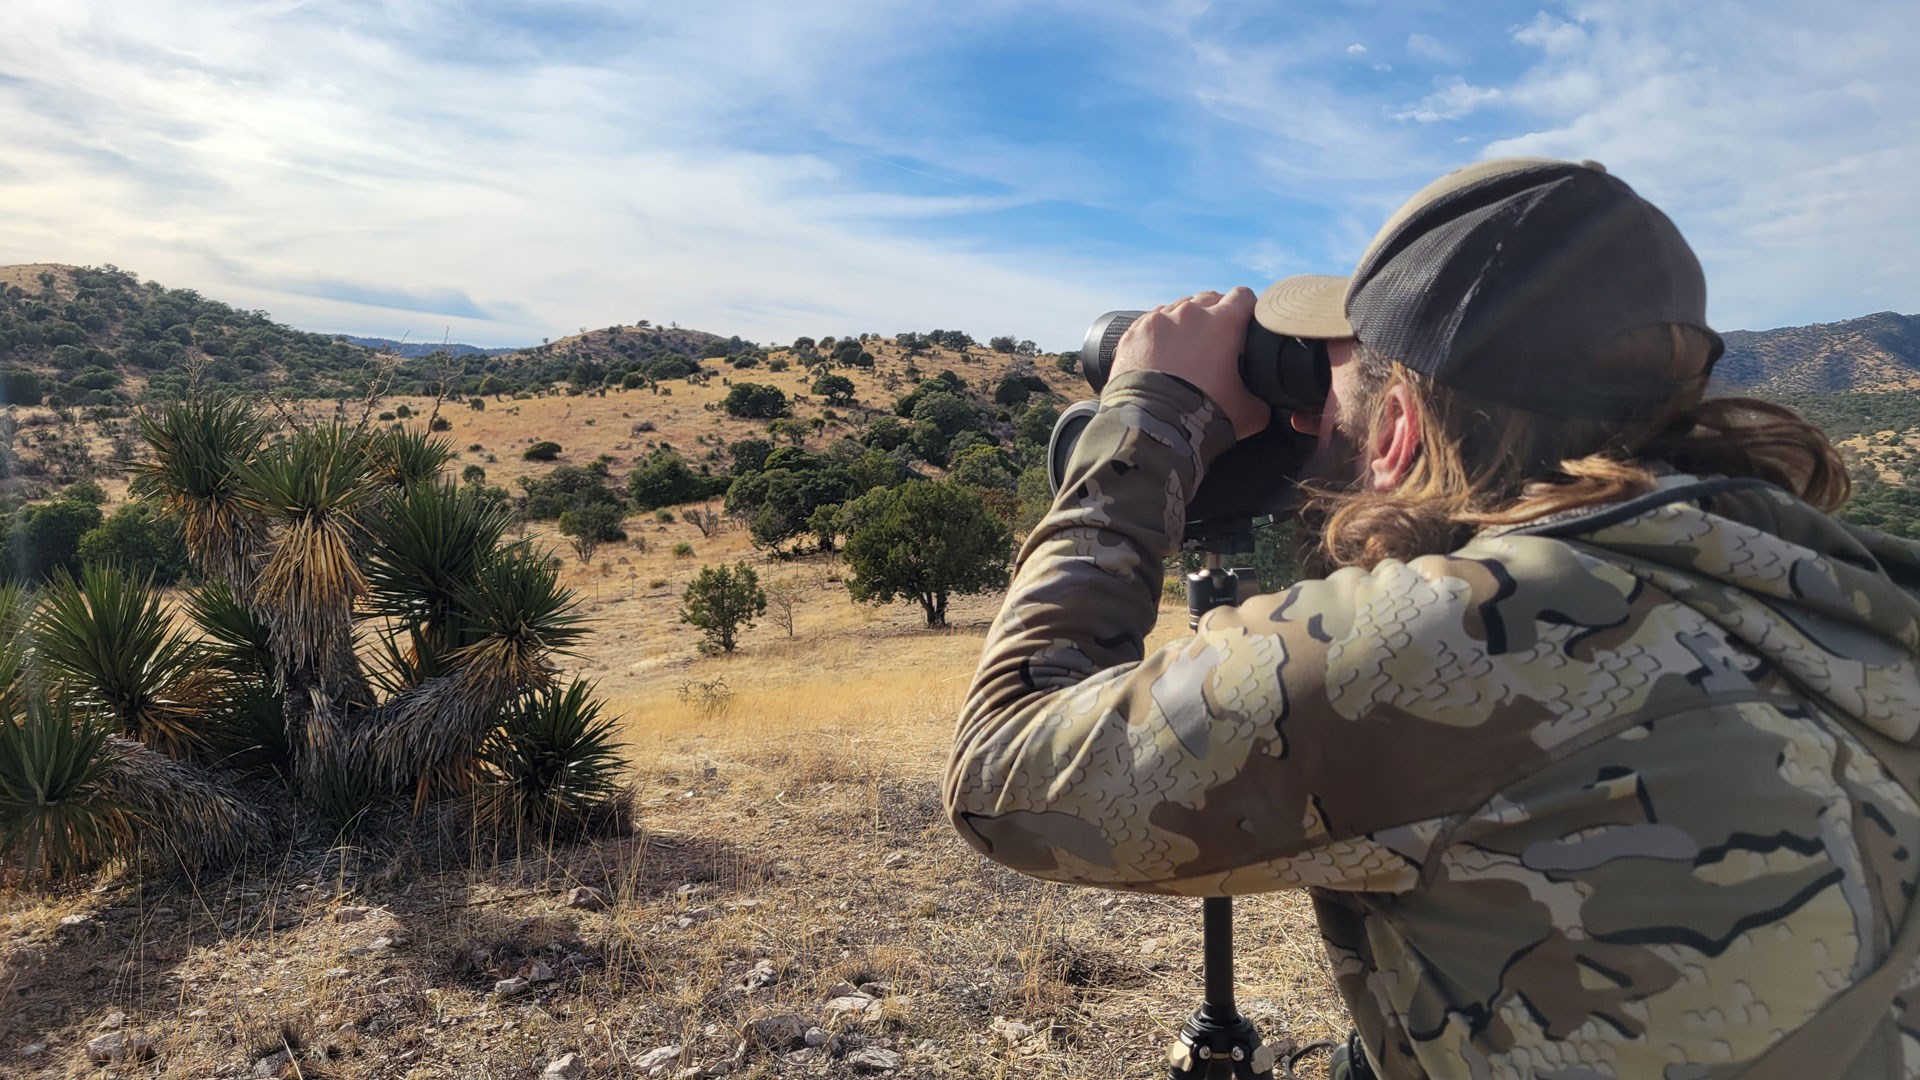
1873, 353
415, 349
100, 335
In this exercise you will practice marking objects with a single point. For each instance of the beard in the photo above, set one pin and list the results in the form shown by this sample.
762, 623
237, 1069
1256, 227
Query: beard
1334, 469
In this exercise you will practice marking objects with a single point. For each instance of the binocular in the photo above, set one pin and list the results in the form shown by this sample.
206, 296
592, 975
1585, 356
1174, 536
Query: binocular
1257, 476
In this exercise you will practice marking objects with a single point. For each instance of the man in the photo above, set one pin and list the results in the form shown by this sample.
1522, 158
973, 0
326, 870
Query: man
1598, 749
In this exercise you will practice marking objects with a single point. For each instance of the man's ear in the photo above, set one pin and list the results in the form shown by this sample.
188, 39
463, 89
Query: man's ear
1396, 441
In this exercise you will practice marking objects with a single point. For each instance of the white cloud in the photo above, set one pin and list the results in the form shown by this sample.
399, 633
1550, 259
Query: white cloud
1454, 98
1783, 142
1552, 36
1428, 47
1356, 49
261, 154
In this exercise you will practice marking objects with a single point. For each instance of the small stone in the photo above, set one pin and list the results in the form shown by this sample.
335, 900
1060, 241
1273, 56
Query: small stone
198, 1014
381, 944
873, 1059
274, 1065
338, 972
1012, 1032
33, 1049
896, 859
763, 974
566, 1067
72, 921
877, 989
542, 972
842, 989
513, 987
586, 898
350, 914
117, 1046
852, 1007
818, 1037
659, 1060
777, 1033
1107, 902
113, 1021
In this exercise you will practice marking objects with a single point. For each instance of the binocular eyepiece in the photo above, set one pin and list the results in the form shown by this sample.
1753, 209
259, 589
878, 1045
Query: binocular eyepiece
1256, 478
1289, 373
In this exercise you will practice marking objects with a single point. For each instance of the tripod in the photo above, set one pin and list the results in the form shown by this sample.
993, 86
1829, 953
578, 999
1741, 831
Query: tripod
1217, 1042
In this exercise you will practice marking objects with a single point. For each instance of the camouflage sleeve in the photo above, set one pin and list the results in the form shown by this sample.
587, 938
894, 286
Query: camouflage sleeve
1215, 764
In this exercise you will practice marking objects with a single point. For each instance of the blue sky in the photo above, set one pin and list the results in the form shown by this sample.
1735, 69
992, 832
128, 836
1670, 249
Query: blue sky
502, 172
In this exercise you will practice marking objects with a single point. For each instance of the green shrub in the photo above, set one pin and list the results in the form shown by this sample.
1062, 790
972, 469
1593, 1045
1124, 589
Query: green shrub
683, 550
140, 541
721, 601
545, 450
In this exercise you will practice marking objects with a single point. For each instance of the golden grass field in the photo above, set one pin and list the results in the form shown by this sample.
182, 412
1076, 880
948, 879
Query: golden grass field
789, 819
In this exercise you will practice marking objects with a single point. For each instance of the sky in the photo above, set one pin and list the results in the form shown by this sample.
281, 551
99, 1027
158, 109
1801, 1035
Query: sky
502, 172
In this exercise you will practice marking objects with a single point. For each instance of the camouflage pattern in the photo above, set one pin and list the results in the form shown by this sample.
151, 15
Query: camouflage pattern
1620, 794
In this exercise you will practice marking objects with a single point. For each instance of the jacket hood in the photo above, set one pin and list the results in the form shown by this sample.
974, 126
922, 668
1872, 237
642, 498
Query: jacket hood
1834, 608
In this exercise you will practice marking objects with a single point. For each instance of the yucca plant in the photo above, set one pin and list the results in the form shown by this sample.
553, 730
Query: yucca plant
246, 727
106, 637
518, 614
236, 640
313, 488
552, 762
58, 813
199, 446
428, 540
402, 457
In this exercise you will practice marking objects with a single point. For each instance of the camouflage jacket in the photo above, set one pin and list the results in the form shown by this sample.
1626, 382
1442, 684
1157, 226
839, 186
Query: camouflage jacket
1619, 794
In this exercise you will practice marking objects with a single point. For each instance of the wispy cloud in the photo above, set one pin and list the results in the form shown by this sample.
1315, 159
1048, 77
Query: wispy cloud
514, 171
1428, 47
1452, 99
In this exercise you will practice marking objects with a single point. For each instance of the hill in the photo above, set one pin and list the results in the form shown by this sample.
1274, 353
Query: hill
1869, 354
414, 349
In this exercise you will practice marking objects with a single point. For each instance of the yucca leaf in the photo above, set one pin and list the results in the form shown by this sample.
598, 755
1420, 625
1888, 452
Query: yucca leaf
552, 761
198, 448
106, 636
57, 812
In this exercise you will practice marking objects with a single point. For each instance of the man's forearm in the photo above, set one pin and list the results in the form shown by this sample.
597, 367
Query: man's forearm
1086, 590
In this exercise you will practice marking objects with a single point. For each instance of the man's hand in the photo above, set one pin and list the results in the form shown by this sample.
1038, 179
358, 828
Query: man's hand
1199, 339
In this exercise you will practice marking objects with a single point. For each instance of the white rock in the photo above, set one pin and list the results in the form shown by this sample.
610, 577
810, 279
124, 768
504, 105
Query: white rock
274, 1065
33, 1049
873, 1060
513, 987
818, 1037
119, 1046
1012, 1031
113, 1021
854, 1007
658, 1061
567, 1067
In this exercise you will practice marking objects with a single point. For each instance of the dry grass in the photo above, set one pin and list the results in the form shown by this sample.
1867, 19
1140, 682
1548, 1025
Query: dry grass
792, 818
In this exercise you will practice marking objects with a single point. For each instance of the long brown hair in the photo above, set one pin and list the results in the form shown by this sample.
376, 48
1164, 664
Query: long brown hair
1484, 464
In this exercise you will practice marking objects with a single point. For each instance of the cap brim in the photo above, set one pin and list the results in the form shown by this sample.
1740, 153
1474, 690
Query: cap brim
1306, 305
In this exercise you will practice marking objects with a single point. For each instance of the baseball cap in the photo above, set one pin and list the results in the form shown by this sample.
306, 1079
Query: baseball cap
1504, 279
